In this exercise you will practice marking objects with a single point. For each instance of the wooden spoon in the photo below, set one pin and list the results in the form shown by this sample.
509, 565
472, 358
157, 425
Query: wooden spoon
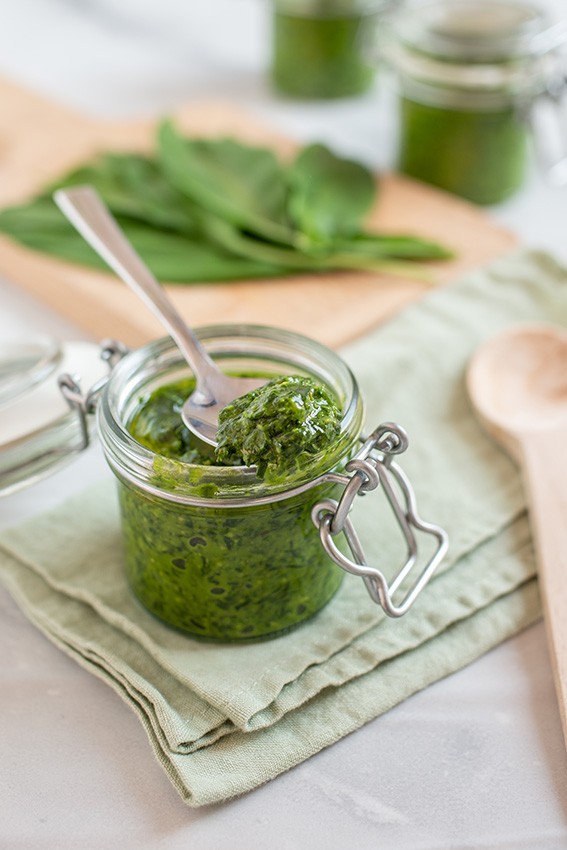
518, 385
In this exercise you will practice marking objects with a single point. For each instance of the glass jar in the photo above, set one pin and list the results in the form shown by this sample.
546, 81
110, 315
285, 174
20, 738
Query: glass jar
218, 552
318, 46
469, 73
214, 550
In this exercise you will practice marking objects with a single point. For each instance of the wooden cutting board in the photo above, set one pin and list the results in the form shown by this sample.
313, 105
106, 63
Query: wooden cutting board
40, 140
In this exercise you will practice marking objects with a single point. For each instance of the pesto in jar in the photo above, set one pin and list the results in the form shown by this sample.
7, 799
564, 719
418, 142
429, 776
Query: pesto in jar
480, 155
225, 573
320, 57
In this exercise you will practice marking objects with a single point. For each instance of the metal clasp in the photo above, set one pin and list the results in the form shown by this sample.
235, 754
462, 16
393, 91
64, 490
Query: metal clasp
372, 466
84, 403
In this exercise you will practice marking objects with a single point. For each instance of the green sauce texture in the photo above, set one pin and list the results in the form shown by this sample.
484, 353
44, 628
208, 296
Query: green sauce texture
278, 427
158, 426
230, 573
320, 57
479, 155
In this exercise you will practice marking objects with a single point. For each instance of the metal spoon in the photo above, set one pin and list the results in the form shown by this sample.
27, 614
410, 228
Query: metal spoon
518, 384
87, 212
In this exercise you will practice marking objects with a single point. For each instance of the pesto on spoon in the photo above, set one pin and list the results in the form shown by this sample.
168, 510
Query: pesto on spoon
278, 427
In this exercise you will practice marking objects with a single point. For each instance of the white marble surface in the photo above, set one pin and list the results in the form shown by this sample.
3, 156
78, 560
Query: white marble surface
475, 761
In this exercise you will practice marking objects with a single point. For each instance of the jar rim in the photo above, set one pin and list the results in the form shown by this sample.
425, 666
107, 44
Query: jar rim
156, 362
325, 9
455, 45
477, 31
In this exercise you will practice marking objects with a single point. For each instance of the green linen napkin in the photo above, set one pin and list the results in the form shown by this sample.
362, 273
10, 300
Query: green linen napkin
223, 719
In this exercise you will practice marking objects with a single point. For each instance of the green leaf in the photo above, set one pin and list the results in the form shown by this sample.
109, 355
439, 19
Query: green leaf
172, 257
133, 185
328, 195
345, 257
232, 239
395, 247
245, 186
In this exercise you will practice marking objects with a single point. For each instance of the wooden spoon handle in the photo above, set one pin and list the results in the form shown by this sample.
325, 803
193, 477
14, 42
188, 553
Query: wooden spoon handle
544, 461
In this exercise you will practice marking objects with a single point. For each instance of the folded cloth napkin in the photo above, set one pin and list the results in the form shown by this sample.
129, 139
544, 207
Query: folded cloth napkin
223, 718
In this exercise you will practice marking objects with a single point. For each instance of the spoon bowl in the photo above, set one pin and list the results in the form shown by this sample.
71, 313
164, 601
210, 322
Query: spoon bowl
517, 383
89, 215
200, 413
518, 380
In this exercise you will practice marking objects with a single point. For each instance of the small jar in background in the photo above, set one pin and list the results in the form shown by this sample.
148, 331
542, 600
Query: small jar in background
319, 46
469, 74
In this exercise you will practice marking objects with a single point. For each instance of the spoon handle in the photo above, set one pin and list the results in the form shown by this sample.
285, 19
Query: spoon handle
91, 217
544, 463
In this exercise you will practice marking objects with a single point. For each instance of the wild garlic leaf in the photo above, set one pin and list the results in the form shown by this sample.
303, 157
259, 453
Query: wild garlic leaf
134, 185
244, 245
243, 185
172, 257
328, 195
394, 247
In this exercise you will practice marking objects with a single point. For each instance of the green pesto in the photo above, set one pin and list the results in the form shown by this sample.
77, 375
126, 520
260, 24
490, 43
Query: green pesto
158, 426
278, 427
320, 57
221, 573
479, 155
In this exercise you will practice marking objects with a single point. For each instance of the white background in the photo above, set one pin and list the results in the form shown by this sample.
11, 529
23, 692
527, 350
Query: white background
475, 761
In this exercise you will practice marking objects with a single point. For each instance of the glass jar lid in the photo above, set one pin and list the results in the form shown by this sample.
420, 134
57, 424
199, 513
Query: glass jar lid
473, 31
25, 364
38, 430
492, 48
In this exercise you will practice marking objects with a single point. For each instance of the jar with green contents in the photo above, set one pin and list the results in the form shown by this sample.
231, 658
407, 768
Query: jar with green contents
217, 551
319, 46
470, 72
